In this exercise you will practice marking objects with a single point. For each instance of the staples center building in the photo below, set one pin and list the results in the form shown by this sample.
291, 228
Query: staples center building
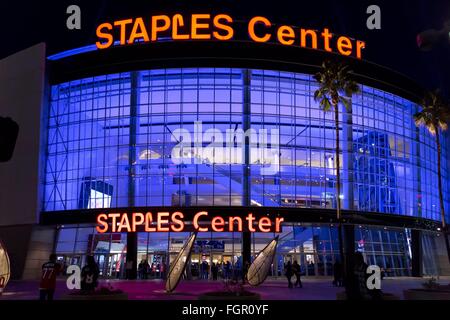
139, 123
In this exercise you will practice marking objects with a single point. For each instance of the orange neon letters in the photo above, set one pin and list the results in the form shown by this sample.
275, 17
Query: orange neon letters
162, 221
217, 224
137, 218
102, 35
229, 31
177, 21
312, 34
124, 224
178, 225
148, 223
265, 224
205, 26
326, 39
167, 221
102, 225
286, 35
251, 29
139, 31
157, 27
123, 29
196, 26
195, 221
344, 46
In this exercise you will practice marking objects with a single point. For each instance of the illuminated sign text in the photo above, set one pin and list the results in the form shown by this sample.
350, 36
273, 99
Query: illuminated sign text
173, 222
219, 27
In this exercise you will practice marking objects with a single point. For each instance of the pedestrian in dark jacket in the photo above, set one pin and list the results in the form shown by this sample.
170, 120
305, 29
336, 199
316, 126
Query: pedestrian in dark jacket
360, 289
337, 271
288, 272
296, 270
89, 275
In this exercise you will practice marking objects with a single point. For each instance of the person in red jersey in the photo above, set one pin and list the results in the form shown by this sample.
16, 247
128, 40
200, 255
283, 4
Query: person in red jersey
47, 286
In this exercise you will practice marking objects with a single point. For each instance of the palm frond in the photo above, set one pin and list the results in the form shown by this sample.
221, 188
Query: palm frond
434, 114
345, 101
325, 104
336, 85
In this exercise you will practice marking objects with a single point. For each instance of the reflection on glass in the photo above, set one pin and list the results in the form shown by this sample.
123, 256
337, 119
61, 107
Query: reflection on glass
386, 162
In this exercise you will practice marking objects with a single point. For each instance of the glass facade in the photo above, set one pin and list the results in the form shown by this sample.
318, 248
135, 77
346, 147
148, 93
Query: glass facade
171, 137
112, 141
314, 246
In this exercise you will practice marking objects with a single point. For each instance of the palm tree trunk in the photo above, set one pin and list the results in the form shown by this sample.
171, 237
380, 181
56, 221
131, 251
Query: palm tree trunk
338, 199
441, 197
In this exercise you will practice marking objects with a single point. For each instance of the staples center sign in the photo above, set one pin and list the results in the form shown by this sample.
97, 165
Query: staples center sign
220, 27
174, 222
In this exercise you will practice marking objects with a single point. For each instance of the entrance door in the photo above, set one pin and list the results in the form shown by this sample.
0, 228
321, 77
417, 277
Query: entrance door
116, 265
102, 262
158, 264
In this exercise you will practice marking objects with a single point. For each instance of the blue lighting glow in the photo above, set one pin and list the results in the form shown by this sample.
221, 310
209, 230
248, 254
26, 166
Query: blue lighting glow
388, 165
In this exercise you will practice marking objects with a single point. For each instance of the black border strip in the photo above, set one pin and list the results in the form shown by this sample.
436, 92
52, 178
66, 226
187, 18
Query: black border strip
223, 54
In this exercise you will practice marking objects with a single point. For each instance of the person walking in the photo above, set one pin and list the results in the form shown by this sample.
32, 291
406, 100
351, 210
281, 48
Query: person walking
227, 270
337, 272
47, 286
288, 273
141, 271
296, 270
359, 289
214, 271
146, 269
89, 275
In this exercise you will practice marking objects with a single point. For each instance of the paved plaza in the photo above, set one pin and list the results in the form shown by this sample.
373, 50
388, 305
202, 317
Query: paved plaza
313, 289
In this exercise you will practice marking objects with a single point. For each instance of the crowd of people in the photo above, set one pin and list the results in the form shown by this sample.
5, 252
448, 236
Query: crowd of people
216, 270
155, 270
356, 286
355, 282
51, 269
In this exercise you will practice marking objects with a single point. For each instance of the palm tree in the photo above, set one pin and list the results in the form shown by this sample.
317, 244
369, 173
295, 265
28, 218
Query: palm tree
435, 115
336, 86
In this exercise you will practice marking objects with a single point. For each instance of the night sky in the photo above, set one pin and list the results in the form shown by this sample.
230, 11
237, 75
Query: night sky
24, 23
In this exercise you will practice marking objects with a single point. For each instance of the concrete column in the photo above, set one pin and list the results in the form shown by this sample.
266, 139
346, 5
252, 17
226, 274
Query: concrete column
349, 250
246, 196
416, 249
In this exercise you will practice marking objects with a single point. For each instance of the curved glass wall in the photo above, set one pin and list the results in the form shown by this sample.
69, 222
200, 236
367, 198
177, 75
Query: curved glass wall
314, 246
173, 137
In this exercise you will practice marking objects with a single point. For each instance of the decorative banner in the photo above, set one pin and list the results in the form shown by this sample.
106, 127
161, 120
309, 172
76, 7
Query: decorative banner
177, 267
5, 271
260, 267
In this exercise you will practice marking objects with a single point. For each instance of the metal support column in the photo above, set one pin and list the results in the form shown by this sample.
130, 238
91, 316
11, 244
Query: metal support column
416, 250
246, 193
131, 260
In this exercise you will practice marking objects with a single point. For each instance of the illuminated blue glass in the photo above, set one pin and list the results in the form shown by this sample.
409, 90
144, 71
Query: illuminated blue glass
110, 144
